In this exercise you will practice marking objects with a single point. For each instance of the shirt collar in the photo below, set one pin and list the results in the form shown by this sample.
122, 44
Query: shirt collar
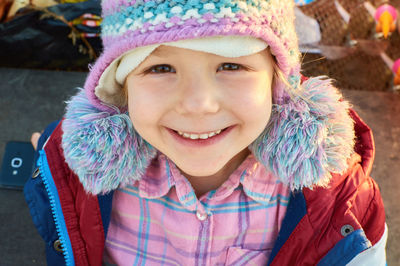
256, 181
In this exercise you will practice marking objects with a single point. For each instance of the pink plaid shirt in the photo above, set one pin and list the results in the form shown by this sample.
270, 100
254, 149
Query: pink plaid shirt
159, 220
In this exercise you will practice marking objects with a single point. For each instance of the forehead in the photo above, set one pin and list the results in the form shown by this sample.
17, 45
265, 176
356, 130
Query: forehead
165, 51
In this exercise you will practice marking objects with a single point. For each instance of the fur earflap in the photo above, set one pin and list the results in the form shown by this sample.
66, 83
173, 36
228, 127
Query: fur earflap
103, 149
308, 137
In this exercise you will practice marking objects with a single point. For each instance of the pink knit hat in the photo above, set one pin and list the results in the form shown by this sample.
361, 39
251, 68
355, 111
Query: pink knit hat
131, 24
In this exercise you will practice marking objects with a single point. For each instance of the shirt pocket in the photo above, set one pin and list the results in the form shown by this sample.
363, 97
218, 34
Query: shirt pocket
239, 256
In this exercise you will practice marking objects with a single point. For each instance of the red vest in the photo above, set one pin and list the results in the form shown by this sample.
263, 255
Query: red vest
352, 198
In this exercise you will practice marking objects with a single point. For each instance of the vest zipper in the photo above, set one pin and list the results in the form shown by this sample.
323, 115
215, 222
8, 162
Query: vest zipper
56, 209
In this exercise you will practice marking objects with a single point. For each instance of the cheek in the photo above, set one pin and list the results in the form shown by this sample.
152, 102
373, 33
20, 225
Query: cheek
146, 94
251, 95
144, 106
254, 107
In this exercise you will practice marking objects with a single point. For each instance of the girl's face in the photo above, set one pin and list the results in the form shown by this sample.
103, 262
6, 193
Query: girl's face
199, 109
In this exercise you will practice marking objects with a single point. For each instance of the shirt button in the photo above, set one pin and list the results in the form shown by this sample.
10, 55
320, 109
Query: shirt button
201, 216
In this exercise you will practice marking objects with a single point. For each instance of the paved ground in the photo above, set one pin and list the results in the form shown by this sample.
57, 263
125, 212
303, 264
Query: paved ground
30, 99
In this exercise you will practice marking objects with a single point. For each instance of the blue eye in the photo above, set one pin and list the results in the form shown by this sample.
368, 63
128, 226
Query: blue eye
161, 69
229, 67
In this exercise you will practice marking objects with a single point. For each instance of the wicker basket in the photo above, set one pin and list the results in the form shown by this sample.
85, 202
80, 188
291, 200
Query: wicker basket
358, 71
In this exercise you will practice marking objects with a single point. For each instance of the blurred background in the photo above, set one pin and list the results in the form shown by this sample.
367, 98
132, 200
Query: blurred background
47, 46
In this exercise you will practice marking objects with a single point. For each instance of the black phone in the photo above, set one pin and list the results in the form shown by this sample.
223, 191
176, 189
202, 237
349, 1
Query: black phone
17, 164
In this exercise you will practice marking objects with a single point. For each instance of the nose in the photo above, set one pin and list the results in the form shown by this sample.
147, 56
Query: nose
199, 95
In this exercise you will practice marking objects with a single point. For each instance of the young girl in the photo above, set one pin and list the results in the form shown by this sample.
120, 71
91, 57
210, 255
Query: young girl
197, 142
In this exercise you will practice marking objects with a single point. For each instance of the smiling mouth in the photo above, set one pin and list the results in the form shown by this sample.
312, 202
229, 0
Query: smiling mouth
195, 136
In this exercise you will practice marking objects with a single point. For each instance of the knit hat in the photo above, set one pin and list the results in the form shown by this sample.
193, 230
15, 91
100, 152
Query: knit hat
308, 136
131, 24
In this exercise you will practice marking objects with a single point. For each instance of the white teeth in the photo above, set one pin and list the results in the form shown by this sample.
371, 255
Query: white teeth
194, 136
197, 136
203, 136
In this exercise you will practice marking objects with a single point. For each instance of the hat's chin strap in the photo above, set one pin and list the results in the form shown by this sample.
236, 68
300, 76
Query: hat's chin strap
111, 81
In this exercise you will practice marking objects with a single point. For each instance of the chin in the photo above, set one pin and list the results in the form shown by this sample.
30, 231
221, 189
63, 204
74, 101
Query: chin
200, 170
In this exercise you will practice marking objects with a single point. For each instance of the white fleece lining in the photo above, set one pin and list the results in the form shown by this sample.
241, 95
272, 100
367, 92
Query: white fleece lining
375, 255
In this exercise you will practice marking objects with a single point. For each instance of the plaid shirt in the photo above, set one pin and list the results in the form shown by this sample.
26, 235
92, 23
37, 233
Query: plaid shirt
160, 221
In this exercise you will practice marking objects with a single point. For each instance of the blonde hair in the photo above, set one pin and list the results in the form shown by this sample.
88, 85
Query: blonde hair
125, 91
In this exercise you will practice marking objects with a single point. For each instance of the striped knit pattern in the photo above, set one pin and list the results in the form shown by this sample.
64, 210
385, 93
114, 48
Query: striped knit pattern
154, 221
130, 24
140, 17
